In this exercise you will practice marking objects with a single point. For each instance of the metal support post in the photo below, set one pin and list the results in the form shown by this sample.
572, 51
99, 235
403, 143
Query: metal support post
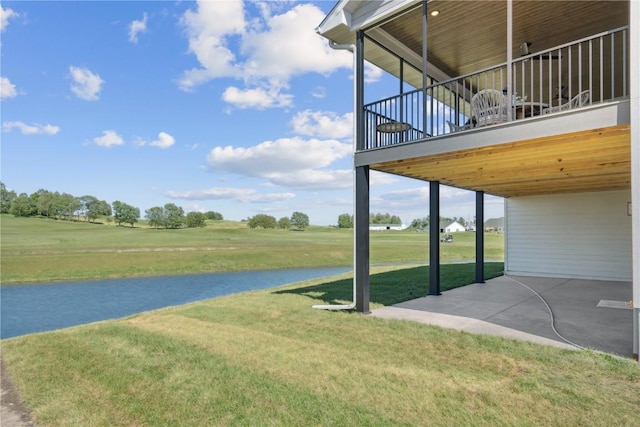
479, 236
434, 238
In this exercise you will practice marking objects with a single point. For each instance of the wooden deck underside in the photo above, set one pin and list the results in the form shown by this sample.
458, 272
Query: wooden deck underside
594, 160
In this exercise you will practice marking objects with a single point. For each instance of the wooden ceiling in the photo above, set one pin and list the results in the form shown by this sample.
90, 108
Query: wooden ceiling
467, 36
595, 160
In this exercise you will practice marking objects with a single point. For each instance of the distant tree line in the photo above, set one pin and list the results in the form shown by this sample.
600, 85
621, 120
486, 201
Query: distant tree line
64, 206
346, 220
298, 221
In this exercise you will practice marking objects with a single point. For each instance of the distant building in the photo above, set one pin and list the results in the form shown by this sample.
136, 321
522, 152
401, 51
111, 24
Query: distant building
494, 224
381, 227
451, 227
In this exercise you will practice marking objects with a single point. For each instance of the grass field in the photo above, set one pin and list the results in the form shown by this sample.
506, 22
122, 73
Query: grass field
42, 250
266, 358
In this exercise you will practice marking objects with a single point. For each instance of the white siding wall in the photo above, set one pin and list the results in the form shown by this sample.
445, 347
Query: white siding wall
585, 235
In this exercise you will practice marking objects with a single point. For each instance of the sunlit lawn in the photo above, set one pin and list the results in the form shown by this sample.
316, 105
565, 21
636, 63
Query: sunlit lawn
268, 358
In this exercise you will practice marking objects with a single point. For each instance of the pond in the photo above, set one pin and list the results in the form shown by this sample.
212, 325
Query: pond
30, 308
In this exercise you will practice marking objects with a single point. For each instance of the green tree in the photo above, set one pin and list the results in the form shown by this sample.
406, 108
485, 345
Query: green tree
345, 221
46, 203
67, 205
379, 218
98, 208
22, 206
262, 221
215, 216
124, 213
195, 220
173, 216
155, 216
420, 223
284, 223
299, 221
6, 197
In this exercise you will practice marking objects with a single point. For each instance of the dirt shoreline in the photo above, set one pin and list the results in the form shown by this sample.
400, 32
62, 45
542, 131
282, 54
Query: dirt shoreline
13, 413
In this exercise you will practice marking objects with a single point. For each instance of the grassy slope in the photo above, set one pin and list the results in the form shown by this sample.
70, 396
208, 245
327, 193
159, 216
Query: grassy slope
267, 358
39, 250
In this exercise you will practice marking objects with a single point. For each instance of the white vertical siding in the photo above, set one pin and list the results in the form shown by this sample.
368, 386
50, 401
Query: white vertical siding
586, 235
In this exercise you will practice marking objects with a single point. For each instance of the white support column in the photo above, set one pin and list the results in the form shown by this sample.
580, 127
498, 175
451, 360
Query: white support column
509, 58
634, 72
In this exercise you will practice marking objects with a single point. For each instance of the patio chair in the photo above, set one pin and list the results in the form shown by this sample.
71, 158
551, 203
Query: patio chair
580, 100
458, 128
489, 107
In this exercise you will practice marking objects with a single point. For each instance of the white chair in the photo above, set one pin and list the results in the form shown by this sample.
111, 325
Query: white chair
489, 107
458, 128
580, 100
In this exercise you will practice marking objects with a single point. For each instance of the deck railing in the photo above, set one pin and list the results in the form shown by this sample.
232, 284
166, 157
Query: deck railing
542, 83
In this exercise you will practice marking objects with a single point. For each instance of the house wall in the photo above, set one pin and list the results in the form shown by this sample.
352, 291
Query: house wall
585, 235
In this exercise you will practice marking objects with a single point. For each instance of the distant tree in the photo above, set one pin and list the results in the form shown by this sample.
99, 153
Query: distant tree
22, 206
173, 216
262, 221
420, 223
67, 205
155, 216
6, 197
124, 213
213, 215
462, 221
299, 221
284, 223
385, 218
85, 201
98, 208
345, 221
45, 203
195, 220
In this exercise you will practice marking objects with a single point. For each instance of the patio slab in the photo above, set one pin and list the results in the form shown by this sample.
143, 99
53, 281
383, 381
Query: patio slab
509, 306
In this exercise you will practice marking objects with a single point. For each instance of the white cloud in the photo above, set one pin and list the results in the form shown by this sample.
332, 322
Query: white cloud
86, 85
372, 73
7, 89
313, 179
241, 195
319, 92
274, 49
209, 28
108, 139
380, 178
285, 154
5, 15
323, 124
290, 162
35, 129
256, 98
164, 141
136, 27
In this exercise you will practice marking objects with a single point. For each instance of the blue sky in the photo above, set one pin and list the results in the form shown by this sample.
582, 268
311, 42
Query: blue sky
236, 107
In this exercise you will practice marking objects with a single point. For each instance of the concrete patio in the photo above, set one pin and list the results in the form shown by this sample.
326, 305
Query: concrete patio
588, 313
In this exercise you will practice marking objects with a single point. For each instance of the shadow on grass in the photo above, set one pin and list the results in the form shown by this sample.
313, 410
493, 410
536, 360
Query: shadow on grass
397, 286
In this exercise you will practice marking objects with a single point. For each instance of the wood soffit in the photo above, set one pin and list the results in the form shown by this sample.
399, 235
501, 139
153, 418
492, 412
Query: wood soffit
468, 36
595, 160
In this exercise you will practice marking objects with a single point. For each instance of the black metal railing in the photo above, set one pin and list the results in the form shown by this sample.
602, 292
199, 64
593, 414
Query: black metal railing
573, 75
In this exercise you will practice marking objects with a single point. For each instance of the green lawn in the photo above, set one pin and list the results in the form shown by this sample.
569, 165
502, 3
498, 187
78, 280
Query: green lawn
41, 250
267, 358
